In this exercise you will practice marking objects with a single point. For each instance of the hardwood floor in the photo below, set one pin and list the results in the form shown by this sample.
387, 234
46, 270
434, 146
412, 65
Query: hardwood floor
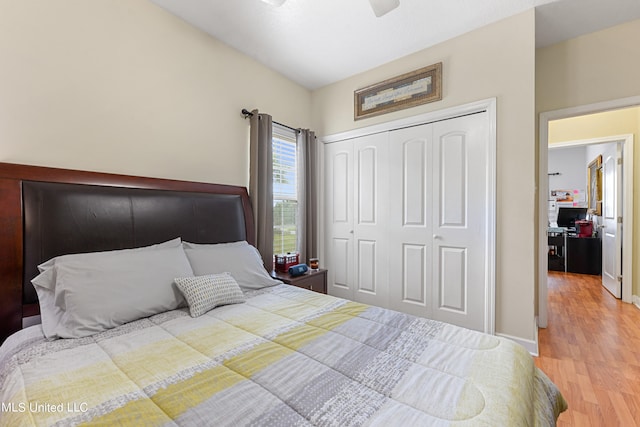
591, 350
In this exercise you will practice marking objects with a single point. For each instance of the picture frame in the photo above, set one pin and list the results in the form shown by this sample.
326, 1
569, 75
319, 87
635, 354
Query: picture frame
407, 90
594, 186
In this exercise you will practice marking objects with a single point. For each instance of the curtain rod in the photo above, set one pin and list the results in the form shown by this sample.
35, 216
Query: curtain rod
246, 113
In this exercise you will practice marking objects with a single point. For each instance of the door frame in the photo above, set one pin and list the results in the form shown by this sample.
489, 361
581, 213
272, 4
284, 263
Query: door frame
627, 197
543, 190
488, 105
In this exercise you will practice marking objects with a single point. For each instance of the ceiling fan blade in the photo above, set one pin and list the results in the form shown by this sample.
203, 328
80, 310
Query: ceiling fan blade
381, 7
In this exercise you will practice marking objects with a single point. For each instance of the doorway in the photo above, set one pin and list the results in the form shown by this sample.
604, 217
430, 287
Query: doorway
546, 119
585, 176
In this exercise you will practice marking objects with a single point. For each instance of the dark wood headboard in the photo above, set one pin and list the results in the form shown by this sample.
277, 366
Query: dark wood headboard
46, 212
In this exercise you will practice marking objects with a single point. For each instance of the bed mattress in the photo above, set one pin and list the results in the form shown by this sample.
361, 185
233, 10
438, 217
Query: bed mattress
285, 357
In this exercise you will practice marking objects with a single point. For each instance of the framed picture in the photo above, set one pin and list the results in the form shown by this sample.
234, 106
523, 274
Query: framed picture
594, 181
404, 91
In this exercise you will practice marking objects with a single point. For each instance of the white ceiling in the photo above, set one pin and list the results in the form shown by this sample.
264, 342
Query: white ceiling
318, 42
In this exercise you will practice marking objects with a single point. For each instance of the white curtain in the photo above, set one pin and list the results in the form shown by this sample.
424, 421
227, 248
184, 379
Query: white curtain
261, 184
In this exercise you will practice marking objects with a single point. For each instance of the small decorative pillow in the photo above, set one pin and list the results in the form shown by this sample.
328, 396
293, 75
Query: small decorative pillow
204, 293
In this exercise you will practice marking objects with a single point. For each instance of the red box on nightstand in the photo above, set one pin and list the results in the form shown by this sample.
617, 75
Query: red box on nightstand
284, 261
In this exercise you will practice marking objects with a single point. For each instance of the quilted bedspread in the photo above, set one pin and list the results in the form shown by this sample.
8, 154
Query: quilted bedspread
286, 357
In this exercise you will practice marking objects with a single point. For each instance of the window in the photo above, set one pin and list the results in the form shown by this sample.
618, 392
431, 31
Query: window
285, 190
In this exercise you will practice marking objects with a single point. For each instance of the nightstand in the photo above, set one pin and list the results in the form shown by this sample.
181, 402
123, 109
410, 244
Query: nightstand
314, 280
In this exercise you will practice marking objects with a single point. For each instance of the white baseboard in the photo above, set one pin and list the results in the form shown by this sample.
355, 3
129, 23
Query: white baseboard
636, 301
530, 345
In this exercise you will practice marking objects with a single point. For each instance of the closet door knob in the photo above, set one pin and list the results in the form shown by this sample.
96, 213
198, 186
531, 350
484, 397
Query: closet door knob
437, 237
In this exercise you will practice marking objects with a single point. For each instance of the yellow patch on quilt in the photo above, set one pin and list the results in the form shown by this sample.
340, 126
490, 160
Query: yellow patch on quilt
352, 308
134, 413
299, 336
217, 340
156, 361
313, 298
177, 398
295, 310
258, 358
260, 322
508, 391
339, 316
13, 414
91, 384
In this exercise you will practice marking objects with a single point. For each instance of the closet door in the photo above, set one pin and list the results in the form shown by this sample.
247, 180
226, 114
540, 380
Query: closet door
407, 220
411, 271
339, 219
371, 205
460, 202
356, 185
438, 220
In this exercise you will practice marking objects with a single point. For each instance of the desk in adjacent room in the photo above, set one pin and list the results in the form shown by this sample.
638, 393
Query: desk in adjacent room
573, 254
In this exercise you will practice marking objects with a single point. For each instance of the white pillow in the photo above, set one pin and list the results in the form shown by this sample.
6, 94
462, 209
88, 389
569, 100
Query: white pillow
50, 315
204, 293
46, 284
239, 259
168, 244
94, 292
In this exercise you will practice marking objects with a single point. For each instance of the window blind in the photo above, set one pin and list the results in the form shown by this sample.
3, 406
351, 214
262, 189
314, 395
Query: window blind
285, 190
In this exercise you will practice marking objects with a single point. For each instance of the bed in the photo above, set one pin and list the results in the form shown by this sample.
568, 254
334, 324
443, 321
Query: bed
227, 344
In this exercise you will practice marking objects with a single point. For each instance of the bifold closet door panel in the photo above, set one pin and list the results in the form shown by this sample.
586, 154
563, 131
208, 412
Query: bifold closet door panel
371, 206
411, 270
357, 188
460, 179
339, 191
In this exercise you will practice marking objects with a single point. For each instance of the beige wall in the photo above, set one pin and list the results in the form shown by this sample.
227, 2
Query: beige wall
479, 65
593, 68
125, 87
596, 67
615, 122
610, 123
